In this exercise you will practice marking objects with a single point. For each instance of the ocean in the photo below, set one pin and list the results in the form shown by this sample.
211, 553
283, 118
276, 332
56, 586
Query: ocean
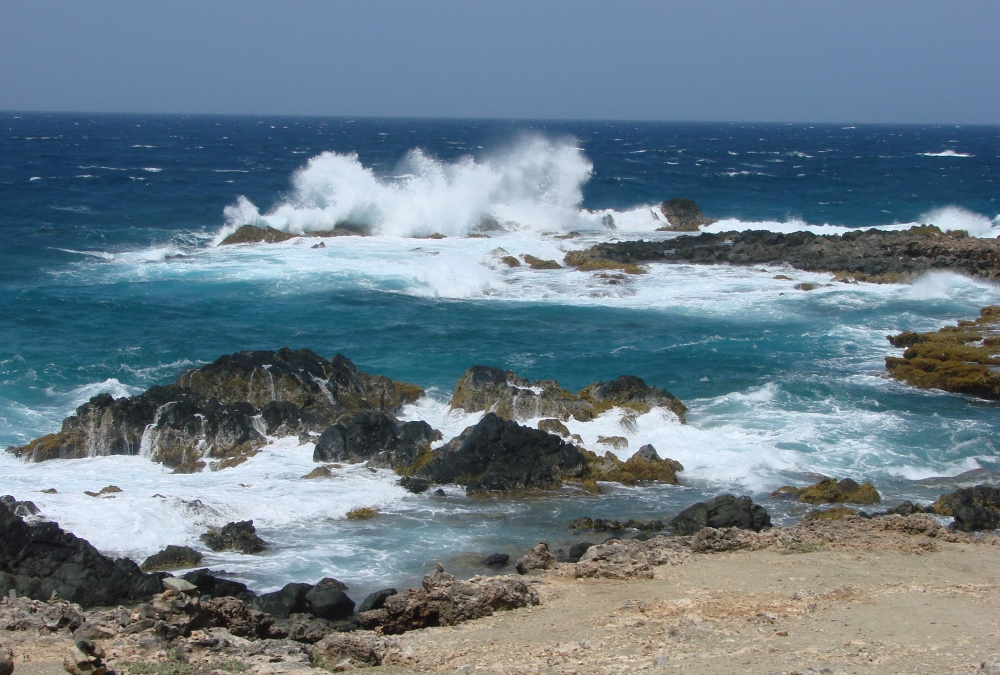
112, 281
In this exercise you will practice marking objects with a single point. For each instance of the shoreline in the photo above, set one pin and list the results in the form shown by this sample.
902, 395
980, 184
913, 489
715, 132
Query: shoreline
898, 594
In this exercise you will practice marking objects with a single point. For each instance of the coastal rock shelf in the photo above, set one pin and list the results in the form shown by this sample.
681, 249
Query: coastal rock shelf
962, 359
871, 255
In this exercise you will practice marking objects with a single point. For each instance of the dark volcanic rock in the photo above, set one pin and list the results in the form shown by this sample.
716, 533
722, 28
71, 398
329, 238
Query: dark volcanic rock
872, 255
327, 600
291, 599
377, 438
496, 560
498, 455
376, 600
252, 234
577, 550
241, 536
226, 406
171, 557
24, 509
976, 508
414, 484
683, 215
722, 511
216, 587
40, 559
514, 398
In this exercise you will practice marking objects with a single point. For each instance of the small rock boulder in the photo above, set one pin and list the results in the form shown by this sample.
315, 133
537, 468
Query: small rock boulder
241, 536
414, 484
291, 599
172, 557
376, 600
974, 509
538, 558
720, 512
327, 600
683, 215
832, 491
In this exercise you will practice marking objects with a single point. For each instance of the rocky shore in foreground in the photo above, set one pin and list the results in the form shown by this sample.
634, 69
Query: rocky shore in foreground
185, 630
872, 255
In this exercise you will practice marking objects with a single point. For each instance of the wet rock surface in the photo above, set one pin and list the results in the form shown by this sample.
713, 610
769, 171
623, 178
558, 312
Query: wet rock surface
683, 215
486, 388
832, 491
974, 509
40, 559
226, 406
871, 255
960, 359
377, 438
501, 455
241, 536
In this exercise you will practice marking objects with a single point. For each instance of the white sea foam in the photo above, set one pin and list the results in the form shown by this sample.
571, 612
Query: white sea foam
945, 153
535, 184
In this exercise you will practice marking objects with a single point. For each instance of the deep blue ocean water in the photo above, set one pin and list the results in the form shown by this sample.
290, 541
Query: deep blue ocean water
110, 281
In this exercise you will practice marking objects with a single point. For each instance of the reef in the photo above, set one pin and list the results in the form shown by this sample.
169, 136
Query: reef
961, 359
870, 255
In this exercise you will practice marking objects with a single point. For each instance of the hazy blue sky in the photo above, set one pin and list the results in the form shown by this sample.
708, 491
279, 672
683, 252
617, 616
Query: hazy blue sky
846, 61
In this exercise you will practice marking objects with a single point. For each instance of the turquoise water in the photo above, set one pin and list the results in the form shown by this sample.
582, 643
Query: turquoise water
111, 282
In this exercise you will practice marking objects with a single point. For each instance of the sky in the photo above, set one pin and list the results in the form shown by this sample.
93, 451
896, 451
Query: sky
910, 61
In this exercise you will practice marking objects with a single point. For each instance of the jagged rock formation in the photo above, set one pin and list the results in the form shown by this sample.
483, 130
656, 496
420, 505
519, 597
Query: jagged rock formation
377, 438
960, 359
172, 557
975, 508
514, 398
832, 491
872, 255
254, 234
223, 411
41, 559
682, 215
446, 601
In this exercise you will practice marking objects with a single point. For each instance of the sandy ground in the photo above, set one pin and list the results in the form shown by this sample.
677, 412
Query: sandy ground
826, 611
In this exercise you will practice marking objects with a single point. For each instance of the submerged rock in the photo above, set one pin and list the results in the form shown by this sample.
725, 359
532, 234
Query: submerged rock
974, 509
41, 559
222, 411
832, 491
721, 512
683, 215
172, 557
241, 536
486, 388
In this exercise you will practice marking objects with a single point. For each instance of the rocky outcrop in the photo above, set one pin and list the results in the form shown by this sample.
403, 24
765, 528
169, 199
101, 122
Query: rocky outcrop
872, 255
682, 215
960, 359
217, 587
538, 558
501, 455
172, 557
974, 509
40, 560
721, 512
629, 558
377, 438
222, 412
24, 509
346, 651
642, 467
241, 536
832, 491
252, 234
486, 388
446, 601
